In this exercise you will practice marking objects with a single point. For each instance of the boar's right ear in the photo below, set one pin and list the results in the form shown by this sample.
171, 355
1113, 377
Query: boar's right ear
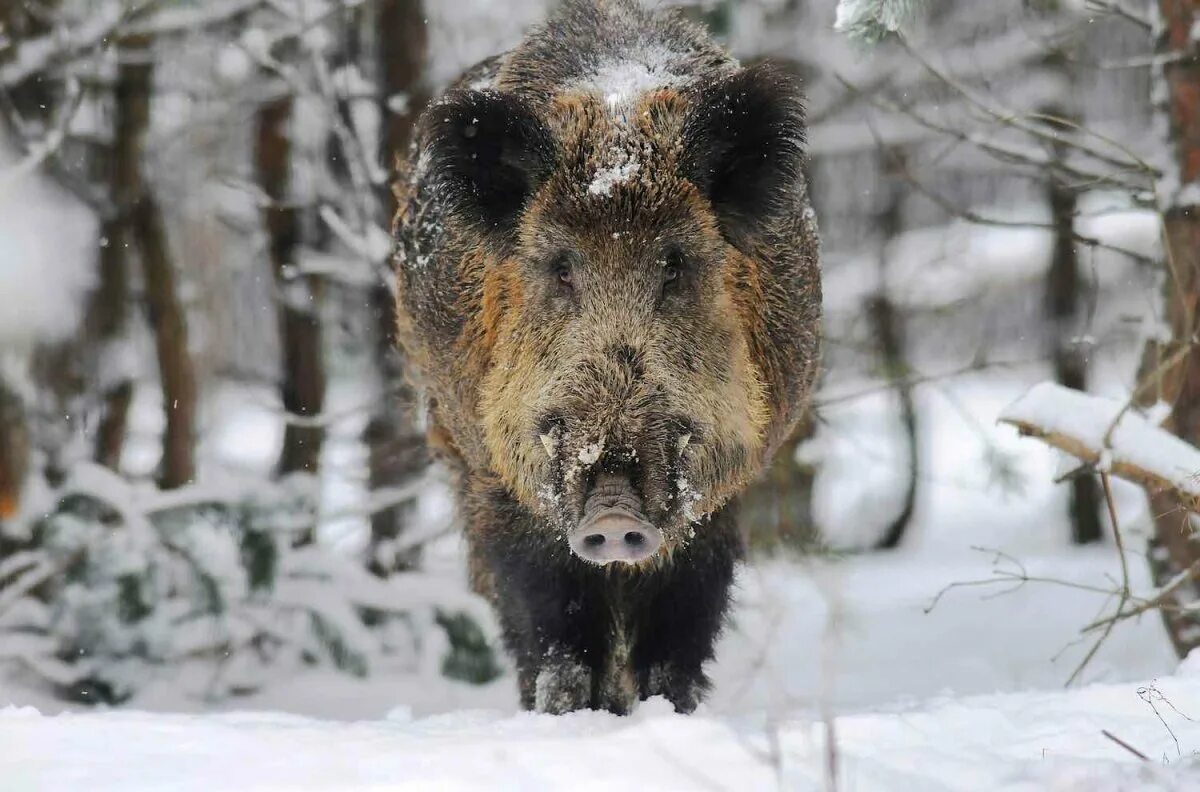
743, 147
488, 153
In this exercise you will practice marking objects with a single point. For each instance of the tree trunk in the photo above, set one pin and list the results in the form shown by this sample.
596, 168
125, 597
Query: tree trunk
168, 321
887, 326
32, 98
1172, 370
302, 385
142, 224
1064, 315
403, 52
395, 448
14, 454
108, 308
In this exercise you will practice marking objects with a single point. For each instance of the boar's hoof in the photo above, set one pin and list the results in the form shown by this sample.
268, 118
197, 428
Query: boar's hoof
562, 686
613, 528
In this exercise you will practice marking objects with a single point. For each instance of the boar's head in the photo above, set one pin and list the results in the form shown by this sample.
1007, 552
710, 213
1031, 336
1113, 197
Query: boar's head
638, 319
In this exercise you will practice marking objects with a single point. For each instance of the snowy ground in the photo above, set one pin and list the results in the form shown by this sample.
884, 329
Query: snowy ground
1009, 742
913, 694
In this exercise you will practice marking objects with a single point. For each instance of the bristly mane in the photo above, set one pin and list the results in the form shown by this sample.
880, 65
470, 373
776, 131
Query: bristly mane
611, 45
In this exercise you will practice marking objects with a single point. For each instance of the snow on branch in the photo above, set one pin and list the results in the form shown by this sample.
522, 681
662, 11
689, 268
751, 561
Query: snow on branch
870, 21
1105, 433
37, 54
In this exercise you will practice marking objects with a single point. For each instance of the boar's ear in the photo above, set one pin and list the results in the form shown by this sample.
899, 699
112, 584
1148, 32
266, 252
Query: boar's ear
743, 147
488, 153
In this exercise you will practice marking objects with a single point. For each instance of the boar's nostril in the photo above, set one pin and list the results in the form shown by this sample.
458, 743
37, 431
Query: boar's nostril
614, 534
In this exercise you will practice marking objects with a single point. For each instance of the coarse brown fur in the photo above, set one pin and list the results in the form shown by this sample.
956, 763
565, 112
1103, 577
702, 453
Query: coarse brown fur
607, 261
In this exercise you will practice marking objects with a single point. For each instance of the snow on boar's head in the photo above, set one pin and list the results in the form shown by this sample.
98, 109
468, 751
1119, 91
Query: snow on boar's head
636, 296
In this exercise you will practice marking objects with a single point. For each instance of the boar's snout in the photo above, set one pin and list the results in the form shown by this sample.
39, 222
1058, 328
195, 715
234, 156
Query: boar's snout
614, 528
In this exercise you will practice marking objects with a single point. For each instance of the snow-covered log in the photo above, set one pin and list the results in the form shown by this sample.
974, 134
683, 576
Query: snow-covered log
1104, 433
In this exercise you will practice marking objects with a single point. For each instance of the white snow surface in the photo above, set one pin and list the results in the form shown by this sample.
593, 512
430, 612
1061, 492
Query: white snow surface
1002, 742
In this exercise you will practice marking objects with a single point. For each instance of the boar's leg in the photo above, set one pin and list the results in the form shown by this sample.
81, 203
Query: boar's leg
549, 625
680, 622
554, 616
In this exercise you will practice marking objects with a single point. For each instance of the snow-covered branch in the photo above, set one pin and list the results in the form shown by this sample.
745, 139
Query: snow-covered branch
870, 21
1103, 433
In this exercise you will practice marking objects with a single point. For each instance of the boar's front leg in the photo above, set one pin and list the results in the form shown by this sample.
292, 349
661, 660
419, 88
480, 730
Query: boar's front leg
680, 624
545, 612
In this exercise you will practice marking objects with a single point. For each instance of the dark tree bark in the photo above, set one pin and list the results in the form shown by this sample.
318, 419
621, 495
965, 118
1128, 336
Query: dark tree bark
887, 325
108, 308
32, 98
396, 451
14, 453
1063, 289
142, 224
168, 321
403, 54
302, 385
1064, 321
891, 344
1173, 369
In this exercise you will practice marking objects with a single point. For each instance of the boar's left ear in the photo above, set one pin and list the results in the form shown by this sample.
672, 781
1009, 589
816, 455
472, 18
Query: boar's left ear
488, 153
743, 146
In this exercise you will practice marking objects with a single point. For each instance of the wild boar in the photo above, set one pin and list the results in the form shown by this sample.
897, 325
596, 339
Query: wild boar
607, 282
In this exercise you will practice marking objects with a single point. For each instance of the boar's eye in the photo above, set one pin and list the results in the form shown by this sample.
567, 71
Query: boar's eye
673, 264
563, 270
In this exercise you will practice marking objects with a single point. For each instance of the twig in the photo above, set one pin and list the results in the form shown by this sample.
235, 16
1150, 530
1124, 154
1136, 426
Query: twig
1151, 694
1156, 602
973, 217
1014, 580
1117, 9
924, 379
1041, 165
1016, 121
1125, 745
1124, 593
